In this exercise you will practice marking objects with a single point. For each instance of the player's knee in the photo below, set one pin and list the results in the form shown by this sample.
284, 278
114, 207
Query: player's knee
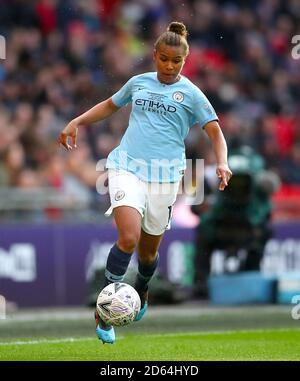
128, 241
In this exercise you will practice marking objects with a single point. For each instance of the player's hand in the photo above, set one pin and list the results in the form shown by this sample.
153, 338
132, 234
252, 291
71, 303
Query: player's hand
225, 174
71, 131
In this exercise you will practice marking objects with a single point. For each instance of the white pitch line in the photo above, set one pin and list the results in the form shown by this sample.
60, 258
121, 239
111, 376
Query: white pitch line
45, 341
221, 332
207, 333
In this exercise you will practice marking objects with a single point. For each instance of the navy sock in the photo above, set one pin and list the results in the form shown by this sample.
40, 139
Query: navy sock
116, 265
145, 273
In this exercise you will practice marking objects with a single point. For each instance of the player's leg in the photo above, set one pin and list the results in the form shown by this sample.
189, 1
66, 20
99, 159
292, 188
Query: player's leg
127, 203
128, 221
155, 222
147, 263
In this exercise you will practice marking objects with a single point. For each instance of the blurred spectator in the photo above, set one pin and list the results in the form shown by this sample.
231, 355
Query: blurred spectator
12, 165
290, 166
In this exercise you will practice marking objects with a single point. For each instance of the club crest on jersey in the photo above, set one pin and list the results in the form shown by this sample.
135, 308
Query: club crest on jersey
119, 195
178, 96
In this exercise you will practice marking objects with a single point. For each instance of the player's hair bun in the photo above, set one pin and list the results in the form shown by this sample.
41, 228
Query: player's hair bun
178, 28
175, 35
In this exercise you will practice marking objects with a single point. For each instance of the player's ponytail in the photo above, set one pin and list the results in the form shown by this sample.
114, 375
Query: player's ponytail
176, 35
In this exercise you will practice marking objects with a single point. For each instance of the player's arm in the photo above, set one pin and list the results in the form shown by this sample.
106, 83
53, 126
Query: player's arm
220, 148
99, 112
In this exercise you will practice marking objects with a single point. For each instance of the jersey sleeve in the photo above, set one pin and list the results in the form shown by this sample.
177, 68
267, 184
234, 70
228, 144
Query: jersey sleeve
124, 95
203, 110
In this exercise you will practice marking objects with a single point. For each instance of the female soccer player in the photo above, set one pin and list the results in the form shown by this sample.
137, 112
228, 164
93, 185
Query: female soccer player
145, 170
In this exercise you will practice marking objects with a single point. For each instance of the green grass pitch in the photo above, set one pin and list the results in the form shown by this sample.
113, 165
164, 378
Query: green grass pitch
176, 333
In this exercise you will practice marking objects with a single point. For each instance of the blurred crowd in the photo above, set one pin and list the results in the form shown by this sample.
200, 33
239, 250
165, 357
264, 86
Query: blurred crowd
64, 56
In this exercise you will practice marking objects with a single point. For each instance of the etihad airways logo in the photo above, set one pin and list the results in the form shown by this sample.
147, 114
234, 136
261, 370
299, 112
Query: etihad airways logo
155, 106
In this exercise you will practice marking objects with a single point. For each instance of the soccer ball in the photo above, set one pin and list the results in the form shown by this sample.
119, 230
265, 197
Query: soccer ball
118, 304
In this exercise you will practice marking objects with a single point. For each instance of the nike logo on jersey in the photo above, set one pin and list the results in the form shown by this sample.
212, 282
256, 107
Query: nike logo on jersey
139, 88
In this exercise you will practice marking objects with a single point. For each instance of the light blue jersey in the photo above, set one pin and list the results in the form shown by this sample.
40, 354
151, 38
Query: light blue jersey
153, 145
